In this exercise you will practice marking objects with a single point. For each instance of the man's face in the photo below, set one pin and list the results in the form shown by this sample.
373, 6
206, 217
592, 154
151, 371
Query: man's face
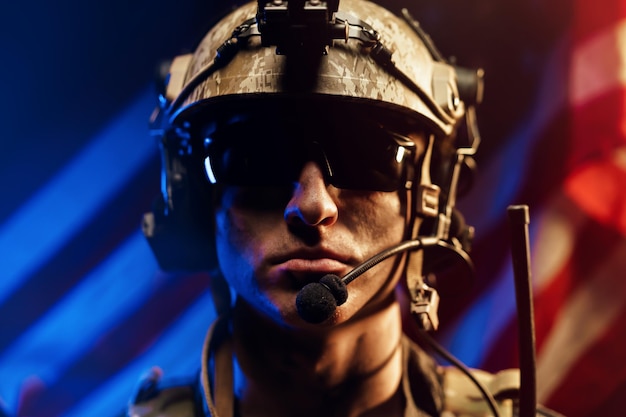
299, 203
271, 241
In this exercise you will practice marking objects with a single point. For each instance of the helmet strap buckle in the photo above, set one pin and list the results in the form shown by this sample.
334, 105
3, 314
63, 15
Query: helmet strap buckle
427, 193
427, 203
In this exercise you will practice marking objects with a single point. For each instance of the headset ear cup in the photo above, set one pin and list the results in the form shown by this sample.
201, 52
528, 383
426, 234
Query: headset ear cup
178, 243
180, 231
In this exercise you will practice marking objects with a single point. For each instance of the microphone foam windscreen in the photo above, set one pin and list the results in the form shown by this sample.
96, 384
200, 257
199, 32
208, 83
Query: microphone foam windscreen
315, 303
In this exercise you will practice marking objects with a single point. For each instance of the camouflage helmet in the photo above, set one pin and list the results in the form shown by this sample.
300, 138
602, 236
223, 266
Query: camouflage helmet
348, 58
367, 55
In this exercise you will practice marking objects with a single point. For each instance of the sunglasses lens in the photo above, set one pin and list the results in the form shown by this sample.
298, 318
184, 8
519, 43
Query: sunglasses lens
380, 166
251, 166
239, 157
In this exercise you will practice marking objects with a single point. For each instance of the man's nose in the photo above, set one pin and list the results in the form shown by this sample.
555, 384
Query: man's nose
312, 203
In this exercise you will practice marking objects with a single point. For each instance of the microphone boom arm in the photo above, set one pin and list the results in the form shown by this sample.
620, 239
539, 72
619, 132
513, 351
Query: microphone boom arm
394, 250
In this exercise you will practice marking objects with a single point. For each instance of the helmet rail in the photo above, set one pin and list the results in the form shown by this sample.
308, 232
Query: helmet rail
315, 29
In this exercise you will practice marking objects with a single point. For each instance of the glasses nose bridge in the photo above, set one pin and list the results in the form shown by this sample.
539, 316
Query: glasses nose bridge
312, 202
315, 152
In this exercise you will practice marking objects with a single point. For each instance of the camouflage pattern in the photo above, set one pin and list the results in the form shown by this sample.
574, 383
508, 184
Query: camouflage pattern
346, 71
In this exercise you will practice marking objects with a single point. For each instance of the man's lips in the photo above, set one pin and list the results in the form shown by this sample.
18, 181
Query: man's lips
320, 265
299, 272
302, 268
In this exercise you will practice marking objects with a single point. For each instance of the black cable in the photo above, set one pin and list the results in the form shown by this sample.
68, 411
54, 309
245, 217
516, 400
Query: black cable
491, 402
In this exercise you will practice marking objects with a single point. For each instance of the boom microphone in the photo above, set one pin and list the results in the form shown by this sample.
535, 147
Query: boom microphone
317, 301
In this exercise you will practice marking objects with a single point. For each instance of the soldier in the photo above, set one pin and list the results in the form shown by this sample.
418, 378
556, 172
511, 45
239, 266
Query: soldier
313, 149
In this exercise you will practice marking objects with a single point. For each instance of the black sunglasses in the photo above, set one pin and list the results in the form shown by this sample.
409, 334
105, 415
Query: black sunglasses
364, 157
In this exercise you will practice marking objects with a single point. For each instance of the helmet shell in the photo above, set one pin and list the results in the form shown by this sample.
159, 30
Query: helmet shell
347, 72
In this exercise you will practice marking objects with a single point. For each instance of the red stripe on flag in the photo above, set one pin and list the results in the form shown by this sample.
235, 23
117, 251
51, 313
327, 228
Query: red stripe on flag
584, 352
597, 375
591, 16
598, 127
599, 189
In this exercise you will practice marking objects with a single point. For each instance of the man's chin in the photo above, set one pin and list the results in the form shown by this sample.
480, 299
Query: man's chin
280, 309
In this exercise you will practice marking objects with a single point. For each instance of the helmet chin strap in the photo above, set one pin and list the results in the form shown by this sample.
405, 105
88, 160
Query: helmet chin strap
425, 198
453, 245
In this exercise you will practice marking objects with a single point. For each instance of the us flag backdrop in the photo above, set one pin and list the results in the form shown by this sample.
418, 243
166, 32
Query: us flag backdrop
84, 309
568, 162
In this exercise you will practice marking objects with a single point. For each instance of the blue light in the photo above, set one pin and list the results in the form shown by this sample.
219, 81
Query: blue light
103, 298
31, 236
177, 352
480, 326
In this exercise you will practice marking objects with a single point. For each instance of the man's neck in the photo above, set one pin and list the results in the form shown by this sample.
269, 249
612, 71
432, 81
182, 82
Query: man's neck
353, 369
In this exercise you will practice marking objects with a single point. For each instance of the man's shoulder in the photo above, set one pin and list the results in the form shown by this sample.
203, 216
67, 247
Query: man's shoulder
158, 397
459, 393
464, 397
